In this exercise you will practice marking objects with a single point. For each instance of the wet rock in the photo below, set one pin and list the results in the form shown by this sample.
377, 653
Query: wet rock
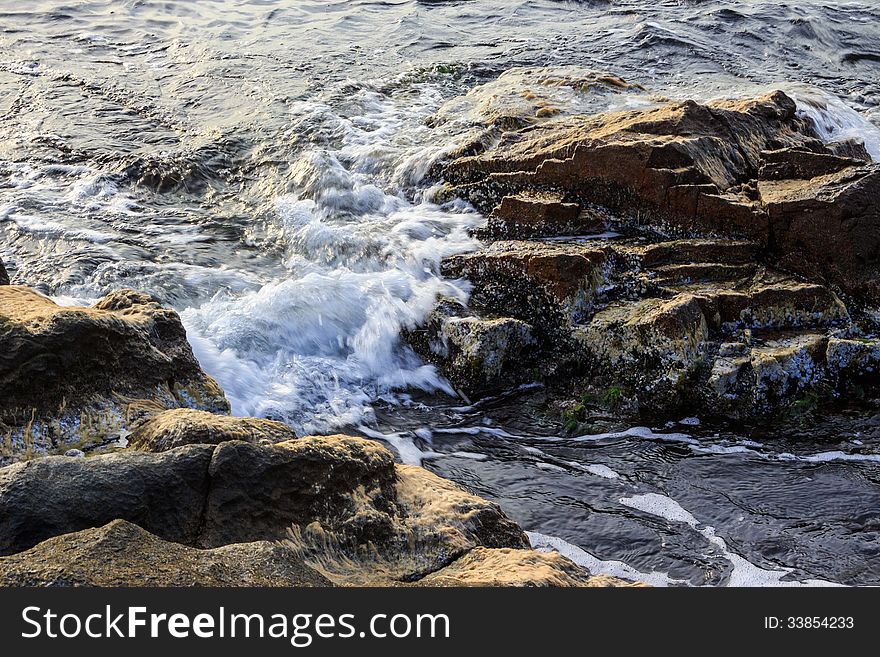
336, 490
123, 554
749, 168
670, 330
672, 324
782, 304
75, 375
854, 360
185, 426
828, 227
163, 493
546, 285
4, 277
473, 353
690, 251
524, 96
652, 344
540, 215
786, 365
266, 490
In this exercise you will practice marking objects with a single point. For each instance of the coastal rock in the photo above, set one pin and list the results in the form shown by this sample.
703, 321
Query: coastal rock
725, 253
75, 375
186, 426
123, 554
749, 168
639, 336
473, 353
334, 490
828, 227
546, 285
696, 323
163, 493
507, 567
4, 277
523, 96
540, 215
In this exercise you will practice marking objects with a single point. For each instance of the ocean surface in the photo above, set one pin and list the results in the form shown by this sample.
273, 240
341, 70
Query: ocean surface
261, 166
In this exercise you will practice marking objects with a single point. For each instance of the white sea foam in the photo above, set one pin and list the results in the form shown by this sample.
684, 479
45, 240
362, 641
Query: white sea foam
362, 253
596, 566
744, 572
403, 444
834, 120
645, 433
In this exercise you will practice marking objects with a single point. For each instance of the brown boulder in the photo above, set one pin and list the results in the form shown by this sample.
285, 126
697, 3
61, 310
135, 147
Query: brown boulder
123, 554
76, 374
186, 426
347, 491
748, 168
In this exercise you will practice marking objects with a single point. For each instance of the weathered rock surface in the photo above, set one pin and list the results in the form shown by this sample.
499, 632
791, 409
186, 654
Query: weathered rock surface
748, 168
74, 375
186, 426
716, 256
507, 567
345, 491
4, 277
474, 353
123, 554
163, 493
532, 280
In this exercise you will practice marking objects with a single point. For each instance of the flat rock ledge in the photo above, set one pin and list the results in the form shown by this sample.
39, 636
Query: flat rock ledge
711, 258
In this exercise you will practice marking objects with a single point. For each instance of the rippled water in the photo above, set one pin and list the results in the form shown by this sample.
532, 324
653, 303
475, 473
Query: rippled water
261, 166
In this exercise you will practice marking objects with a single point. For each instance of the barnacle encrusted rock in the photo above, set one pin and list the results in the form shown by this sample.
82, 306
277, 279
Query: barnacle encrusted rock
716, 256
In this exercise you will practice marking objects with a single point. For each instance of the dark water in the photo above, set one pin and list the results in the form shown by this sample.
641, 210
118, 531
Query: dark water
261, 166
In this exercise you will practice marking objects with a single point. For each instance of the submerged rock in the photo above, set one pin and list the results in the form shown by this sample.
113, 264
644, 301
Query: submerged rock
186, 426
77, 375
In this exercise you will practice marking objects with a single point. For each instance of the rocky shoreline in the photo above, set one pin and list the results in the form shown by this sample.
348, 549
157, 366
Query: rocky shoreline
171, 494
715, 259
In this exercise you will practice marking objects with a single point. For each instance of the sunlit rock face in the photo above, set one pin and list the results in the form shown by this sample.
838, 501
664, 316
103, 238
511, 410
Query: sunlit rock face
716, 256
75, 376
